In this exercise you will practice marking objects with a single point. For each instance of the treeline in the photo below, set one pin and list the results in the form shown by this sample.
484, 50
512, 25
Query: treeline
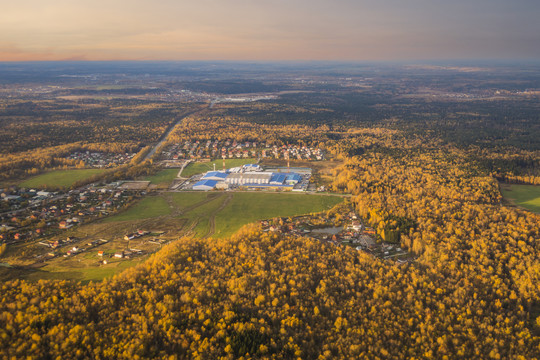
33, 162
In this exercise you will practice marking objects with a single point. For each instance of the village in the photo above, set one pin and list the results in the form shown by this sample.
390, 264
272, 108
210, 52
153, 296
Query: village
229, 149
345, 231
34, 214
100, 159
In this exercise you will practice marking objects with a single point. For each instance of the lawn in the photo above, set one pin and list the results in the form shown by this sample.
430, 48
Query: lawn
249, 207
149, 207
526, 196
200, 167
186, 199
163, 177
60, 178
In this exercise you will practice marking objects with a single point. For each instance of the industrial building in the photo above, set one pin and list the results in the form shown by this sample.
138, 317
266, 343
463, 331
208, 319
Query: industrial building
205, 185
215, 175
250, 176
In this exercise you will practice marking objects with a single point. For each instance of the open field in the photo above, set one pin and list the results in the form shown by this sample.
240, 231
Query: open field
82, 271
163, 177
150, 206
221, 214
245, 208
60, 178
526, 196
201, 167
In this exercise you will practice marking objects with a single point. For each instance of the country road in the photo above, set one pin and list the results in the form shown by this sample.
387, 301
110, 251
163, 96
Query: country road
166, 134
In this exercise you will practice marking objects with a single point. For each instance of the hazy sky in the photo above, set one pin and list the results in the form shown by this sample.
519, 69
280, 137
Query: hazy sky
269, 29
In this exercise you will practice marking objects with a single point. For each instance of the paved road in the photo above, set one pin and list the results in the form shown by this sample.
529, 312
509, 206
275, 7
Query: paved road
165, 135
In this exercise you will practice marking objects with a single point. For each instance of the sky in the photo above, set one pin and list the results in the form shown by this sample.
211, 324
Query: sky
342, 30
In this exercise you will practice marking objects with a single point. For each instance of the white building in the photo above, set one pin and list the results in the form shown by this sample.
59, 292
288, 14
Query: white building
248, 178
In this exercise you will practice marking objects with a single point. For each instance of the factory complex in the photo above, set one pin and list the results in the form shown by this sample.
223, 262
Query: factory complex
253, 176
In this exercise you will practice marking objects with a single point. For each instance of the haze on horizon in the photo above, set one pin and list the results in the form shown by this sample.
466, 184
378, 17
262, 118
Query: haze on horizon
340, 30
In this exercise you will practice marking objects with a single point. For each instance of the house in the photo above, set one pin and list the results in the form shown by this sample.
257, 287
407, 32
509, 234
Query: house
100, 253
119, 255
356, 226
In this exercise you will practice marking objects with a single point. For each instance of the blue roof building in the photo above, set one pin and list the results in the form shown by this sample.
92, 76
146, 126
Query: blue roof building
205, 185
278, 179
293, 178
215, 175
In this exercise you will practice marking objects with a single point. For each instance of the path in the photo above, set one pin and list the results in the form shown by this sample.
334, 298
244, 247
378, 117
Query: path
212, 218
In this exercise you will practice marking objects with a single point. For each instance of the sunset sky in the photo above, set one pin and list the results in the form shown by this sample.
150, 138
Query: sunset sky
269, 30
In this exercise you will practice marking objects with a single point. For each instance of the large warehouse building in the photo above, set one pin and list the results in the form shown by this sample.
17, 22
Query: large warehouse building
250, 175
248, 178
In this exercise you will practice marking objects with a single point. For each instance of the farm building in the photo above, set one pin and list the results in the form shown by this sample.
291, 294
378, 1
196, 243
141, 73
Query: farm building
205, 185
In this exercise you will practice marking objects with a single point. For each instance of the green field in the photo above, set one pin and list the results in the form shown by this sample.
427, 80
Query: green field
526, 196
60, 178
149, 207
200, 167
183, 200
163, 177
245, 208
221, 214
83, 273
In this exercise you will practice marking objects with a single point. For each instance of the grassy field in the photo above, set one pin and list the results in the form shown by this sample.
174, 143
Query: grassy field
245, 208
227, 211
200, 167
183, 200
60, 178
84, 273
149, 207
526, 196
163, 177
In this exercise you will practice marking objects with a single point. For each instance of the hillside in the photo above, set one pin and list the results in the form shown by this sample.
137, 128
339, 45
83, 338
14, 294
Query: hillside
255, 295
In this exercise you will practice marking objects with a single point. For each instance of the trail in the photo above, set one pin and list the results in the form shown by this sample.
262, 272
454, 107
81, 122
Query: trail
212, 219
